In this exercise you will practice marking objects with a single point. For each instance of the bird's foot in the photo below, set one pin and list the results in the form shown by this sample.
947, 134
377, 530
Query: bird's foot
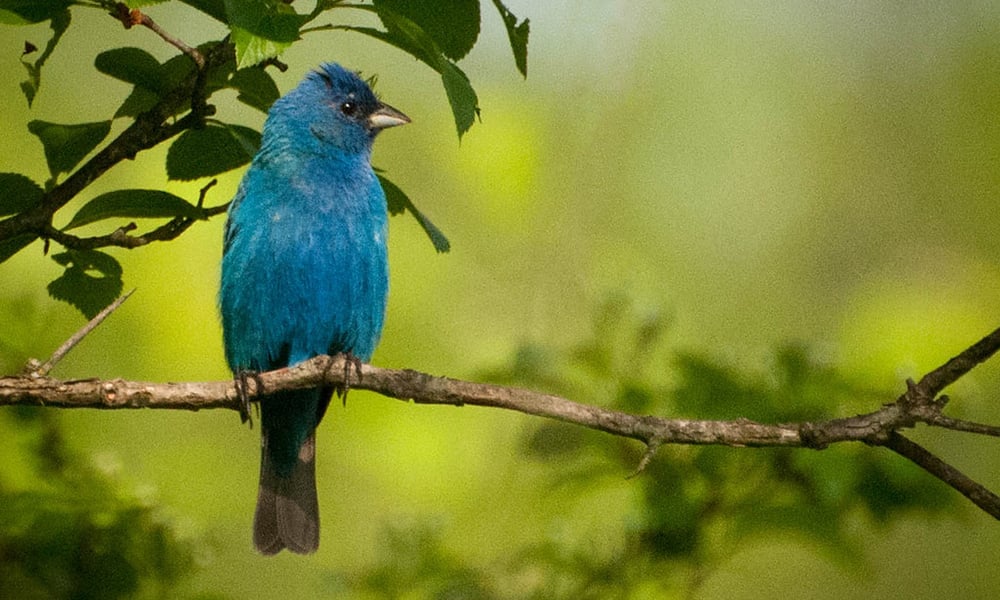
242, 380
349, 361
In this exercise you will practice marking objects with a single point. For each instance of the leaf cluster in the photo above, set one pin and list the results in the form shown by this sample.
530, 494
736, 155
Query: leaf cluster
169, 102
78, 532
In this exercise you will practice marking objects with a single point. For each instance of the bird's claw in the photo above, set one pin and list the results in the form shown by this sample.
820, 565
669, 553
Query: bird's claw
349, 361
242, 381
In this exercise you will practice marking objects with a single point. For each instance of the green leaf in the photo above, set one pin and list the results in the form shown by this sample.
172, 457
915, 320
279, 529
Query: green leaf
17, 193
322, 6
12, 246
138, 3
269, 19
517, 33
23, 12
59, 23
409, 37
92, 280
461, 96
181, 67
66, 145
397, 201
248, 139
256, 88
211, 150
139, 204
151, 79
132, 65
253, 49
405, 35
138, 102
452, 24
213, 8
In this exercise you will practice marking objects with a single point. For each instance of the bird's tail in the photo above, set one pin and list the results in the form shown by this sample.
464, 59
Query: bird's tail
287, 514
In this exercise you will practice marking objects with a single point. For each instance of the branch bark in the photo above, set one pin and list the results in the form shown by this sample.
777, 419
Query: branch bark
919, 404
149, 129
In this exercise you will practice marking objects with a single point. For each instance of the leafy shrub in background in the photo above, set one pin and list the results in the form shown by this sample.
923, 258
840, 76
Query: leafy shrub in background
692, 507
78, 532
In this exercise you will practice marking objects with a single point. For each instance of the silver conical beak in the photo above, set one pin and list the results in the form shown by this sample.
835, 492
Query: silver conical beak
386, 116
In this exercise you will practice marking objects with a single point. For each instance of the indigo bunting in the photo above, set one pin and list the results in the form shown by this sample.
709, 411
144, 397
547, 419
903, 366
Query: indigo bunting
304, 273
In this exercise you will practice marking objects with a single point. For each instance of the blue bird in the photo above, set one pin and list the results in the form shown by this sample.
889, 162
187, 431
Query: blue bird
304, 273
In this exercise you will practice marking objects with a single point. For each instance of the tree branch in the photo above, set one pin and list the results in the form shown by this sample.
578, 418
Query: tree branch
148, 130
121, 237
978, 494
878, 428
132, 17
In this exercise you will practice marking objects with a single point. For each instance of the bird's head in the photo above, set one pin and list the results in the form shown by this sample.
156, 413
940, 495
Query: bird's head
338, 108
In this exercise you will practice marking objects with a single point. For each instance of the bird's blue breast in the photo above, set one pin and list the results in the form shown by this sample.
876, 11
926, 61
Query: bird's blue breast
305, 269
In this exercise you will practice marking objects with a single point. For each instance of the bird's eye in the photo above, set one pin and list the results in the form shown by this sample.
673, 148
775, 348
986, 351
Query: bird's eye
348, 108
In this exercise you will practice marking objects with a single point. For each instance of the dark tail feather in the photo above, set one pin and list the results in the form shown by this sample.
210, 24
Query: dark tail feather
287, 513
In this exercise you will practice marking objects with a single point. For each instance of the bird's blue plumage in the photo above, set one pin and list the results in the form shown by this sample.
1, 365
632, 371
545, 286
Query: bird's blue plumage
304, 273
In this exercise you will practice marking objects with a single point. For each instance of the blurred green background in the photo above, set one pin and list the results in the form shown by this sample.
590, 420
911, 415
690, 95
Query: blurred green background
756, 173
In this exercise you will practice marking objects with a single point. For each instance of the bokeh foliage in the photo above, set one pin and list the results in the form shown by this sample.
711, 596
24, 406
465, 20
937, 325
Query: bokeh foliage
768, 172
77, 531
690, 508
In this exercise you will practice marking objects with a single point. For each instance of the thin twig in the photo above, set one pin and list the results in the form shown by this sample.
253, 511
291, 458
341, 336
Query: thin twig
133, 17
963, 425
938, 379
121, 237
45, 368
979, 495
204, 191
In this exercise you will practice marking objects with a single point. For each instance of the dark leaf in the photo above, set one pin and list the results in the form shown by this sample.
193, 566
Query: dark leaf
17, 193
66, 145
22, 12
397, 201
12, 246
517, 33
92, 280
59, 23
256, 88
211, 150
153, 80
213, 8
270, 19
180, 67
139, 204
248, 139
405, 35
323, 6
138, 102
409, 37
461, 96
452, 24
132, 65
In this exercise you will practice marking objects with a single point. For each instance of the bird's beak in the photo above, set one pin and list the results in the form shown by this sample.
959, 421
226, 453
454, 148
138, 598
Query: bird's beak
386, 116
